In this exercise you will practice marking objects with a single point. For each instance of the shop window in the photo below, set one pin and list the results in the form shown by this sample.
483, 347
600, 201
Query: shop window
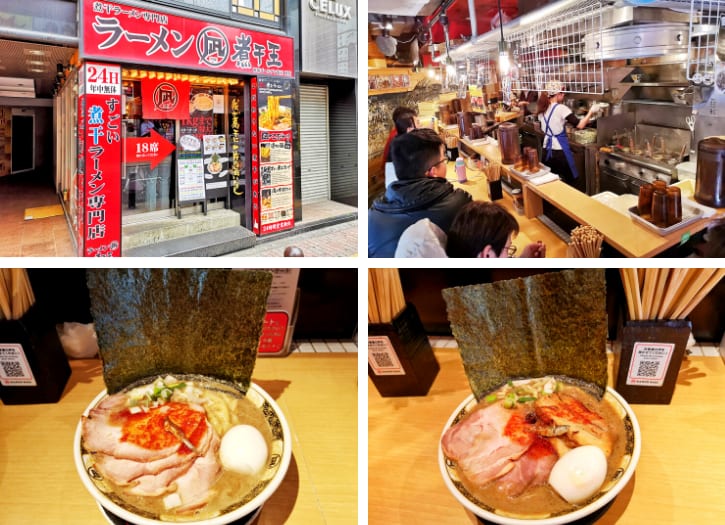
267, 10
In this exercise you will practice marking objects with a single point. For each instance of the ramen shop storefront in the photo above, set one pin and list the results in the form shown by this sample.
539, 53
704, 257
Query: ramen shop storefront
177, 116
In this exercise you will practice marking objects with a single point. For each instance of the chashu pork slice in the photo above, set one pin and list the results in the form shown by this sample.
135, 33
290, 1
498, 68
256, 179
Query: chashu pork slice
584, 427
487, 443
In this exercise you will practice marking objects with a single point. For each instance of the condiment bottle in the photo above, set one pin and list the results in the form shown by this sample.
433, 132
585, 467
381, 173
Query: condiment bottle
674, 205
644, 204
659, 208
461, 170
518, 198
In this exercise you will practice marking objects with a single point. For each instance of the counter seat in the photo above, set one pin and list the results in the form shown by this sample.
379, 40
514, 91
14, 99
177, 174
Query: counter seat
620, 231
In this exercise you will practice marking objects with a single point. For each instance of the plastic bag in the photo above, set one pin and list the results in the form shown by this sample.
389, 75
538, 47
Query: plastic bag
79, 340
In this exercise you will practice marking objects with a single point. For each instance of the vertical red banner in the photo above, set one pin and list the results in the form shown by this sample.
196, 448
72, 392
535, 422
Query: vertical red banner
254, 114
101, 122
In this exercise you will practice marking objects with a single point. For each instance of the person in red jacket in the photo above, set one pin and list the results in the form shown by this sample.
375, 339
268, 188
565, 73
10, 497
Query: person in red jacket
404, 120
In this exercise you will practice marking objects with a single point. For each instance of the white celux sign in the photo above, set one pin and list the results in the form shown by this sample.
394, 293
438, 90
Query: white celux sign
331, 10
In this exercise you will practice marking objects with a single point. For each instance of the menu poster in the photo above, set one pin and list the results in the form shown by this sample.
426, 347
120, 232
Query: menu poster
101, 126
276, 169
190, 179
189, 161
216, 166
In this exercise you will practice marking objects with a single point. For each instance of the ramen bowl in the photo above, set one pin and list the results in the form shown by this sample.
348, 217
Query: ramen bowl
281, 123
611, 487
244, 503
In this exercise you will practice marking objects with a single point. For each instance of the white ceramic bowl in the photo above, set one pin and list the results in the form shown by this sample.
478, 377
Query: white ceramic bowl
280, 456
608, 492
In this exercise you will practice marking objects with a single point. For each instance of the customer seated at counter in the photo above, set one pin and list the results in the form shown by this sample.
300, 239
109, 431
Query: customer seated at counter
554, 115
405, 119
479, 230
420, 192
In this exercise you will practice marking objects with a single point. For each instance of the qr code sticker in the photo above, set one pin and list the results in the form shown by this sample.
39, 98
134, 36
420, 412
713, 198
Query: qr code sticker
12, 369
648, 368
382, 359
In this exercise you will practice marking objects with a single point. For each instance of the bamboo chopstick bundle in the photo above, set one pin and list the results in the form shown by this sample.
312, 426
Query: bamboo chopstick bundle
663, 293
385, 295
585, 241
16, 294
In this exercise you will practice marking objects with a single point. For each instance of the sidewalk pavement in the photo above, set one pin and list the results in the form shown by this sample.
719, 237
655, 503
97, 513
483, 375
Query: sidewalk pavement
339, 240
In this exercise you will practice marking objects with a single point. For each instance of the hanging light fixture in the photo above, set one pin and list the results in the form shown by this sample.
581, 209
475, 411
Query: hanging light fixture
504, 61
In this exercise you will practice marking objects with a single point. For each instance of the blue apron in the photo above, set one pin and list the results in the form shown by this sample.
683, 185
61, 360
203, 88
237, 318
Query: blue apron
563, 140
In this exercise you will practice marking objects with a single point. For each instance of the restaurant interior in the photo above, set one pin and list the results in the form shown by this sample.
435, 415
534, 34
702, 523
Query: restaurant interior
652, 72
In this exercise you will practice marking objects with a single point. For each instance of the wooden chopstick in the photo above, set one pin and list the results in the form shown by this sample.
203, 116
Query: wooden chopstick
706, 289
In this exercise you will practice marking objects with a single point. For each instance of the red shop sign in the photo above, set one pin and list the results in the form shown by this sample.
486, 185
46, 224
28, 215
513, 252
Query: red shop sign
101, 123
123, 33
165, 99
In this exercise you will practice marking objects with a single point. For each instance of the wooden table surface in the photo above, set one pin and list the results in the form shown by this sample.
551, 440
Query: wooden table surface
680, 478
621, 231
530, 229
317, 393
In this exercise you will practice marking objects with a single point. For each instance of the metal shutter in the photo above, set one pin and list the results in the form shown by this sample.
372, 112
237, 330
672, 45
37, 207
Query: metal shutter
314, 144
343, 142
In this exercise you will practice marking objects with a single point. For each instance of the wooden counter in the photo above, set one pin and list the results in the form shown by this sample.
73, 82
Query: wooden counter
620, 231
680, 477
317, 393
530, 229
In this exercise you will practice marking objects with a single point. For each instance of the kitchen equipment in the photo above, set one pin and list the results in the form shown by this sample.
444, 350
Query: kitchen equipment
622, 173
683, 95
710, 175
636, 41
508, 142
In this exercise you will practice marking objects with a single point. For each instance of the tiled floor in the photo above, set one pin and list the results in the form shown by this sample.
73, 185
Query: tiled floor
48, 237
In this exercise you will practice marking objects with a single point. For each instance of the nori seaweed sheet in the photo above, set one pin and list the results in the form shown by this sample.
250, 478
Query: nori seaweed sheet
172, 321
548, 324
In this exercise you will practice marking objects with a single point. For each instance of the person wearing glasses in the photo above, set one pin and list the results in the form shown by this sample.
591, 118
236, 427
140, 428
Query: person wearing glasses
479, 230
485, 229
420, 192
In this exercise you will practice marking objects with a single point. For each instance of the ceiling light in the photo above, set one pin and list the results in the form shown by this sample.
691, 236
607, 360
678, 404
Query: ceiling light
35, 52
37, 70
504, 61
35, 62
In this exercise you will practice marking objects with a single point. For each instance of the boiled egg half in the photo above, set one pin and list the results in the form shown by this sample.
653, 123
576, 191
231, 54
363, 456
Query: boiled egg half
579, 473
243, 450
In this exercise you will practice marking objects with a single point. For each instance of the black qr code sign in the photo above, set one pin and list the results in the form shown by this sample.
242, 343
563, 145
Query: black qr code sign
382, 357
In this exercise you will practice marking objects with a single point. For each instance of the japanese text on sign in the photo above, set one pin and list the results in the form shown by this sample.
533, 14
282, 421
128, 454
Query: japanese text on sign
101, 125
127, 33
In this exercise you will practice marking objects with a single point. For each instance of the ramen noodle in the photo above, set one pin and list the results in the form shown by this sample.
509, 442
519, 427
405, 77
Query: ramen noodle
275, 116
